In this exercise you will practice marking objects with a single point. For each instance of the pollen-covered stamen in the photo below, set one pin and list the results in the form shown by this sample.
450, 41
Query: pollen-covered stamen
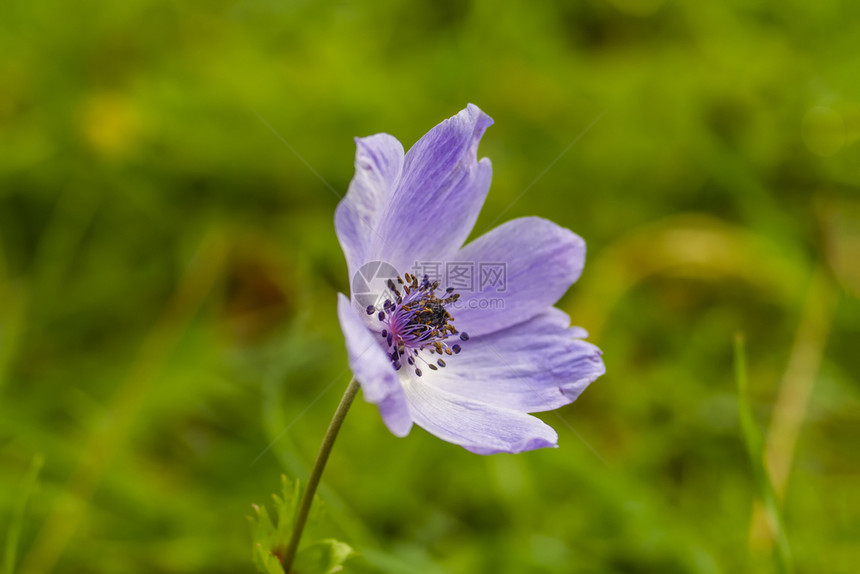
416, 320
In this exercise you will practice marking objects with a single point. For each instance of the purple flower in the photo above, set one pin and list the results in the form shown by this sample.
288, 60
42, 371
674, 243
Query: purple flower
462, 340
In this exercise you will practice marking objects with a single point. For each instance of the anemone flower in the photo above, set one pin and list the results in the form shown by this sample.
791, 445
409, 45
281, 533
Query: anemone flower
461, 340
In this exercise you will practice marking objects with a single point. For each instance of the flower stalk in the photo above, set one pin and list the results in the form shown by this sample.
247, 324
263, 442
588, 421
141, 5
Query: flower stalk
316, 474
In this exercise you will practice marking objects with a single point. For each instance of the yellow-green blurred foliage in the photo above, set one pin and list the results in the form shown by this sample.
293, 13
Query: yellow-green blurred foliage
168, 271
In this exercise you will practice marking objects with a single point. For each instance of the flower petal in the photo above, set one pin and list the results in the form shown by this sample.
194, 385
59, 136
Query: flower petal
372, 368
540, 260
378, 166
535, 366
439, 195
476, 426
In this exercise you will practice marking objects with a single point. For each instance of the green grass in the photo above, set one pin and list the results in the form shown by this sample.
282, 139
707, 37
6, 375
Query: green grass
756, 450
19, 515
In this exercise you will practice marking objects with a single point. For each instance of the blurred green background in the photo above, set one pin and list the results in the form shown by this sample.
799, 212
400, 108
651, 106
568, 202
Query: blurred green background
168, 271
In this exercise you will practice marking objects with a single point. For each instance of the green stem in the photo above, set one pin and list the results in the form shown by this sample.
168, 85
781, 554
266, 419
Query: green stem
316, 474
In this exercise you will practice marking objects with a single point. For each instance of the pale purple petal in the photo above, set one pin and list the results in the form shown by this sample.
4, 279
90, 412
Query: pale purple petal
541, 260
439, 195
476, 426
556, 316
535, 366
372, 369
378, 165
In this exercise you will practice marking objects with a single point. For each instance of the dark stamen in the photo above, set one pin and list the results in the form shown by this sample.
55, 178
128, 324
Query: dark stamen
416, 320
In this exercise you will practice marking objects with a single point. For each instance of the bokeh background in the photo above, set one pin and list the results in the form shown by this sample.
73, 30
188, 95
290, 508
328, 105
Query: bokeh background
168, 270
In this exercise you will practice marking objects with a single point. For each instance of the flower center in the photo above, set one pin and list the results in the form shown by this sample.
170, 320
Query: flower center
415, 321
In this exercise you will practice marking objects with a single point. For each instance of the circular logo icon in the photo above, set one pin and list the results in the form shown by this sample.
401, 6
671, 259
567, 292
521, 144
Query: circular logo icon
370, 283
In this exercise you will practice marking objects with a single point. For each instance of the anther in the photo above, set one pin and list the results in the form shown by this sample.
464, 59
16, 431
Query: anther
415, 320
370, 309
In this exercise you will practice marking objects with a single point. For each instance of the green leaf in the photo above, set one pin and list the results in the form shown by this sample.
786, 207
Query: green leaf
30, 485
271, 534
755, 445
266, 561
323, 557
